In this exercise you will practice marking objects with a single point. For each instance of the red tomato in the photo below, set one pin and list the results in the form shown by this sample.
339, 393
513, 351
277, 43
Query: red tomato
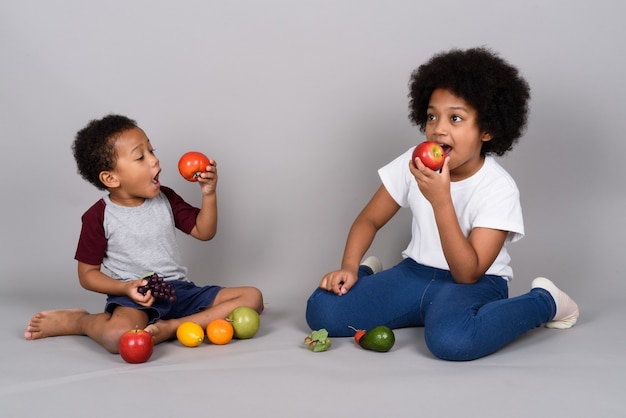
431, 154
136, 346
192, 164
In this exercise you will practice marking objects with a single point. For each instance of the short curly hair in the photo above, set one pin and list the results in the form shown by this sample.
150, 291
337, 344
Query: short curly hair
485, 81
94, 146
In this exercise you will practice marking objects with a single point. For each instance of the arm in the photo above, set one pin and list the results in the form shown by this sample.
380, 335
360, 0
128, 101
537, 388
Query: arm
380, 209
206, 221
468, 258
91, 278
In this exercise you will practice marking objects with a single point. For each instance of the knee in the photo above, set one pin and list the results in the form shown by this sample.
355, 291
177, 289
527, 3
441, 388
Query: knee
315, 311
255, 297
110, 339
314, 315
452, 347
322, 312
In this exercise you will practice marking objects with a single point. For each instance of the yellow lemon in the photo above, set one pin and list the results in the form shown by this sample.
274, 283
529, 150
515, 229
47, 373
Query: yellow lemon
190, 334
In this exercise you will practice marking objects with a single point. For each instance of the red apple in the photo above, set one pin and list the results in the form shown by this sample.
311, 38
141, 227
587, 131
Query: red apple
136, 346
431, 154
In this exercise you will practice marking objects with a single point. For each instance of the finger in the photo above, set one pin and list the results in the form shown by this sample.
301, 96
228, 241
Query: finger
327, 283
418, 171
415, 170
446, 164
324, 283
421, 171
345, 287
413, 166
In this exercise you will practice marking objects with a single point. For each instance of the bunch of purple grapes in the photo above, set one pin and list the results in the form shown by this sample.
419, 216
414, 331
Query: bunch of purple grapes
159, 287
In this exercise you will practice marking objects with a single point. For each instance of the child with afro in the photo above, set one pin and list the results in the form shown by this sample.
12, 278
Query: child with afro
453, 278
130, 232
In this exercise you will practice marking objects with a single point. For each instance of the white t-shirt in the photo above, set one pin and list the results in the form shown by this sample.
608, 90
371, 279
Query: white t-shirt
488, 199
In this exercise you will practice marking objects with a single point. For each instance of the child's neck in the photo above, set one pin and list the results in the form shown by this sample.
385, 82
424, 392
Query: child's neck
468, 170
128, 201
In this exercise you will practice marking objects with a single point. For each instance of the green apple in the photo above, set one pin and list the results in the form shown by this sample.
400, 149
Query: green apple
245, 321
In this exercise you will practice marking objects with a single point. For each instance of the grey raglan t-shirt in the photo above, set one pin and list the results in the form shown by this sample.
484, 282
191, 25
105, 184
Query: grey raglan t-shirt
132, 241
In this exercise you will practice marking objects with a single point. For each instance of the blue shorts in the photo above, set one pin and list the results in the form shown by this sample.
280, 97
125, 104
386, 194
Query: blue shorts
190, 299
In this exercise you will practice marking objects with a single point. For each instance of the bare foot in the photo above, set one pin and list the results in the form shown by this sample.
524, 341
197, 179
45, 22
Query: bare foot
53, 323
163, 330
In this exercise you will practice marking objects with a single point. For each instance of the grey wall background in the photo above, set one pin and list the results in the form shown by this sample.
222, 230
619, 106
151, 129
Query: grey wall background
300, 103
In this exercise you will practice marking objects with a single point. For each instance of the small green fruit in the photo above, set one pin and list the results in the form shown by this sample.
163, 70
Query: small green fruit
318, 341
380, 338
245, 321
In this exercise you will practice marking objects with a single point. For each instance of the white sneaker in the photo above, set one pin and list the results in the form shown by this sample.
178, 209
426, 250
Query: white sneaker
566, 309
373, 263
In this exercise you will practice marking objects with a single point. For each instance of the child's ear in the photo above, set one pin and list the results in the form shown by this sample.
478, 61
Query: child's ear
486, 137
109, 179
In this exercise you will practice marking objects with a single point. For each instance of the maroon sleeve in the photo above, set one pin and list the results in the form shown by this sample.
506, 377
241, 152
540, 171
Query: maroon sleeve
92, 243
184, 214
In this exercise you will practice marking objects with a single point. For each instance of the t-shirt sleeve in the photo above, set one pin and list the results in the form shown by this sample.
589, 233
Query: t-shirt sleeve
503, 211
184, 214
92, 243
396, 177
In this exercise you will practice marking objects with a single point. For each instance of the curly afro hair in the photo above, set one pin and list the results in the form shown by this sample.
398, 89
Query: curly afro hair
486, 82
94, 146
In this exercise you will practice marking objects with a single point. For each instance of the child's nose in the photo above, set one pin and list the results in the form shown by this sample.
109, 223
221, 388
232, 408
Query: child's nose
441, 127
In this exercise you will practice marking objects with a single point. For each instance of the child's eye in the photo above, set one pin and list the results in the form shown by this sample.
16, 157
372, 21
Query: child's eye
456, 118
151, 151
430, 117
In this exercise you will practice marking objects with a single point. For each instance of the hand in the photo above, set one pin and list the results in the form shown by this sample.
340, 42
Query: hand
133, 293
434, 186
338, 282
208, 179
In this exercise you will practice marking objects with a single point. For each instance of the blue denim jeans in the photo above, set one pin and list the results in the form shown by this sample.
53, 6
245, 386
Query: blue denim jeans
461, 321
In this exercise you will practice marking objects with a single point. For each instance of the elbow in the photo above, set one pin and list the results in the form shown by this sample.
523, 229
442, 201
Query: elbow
465, 280
82, 283
469, 273
206, 237
203, 235
86, 284
465, 277
210, 235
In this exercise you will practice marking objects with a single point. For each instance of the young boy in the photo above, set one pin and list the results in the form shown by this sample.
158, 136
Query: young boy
131, 232
454, 276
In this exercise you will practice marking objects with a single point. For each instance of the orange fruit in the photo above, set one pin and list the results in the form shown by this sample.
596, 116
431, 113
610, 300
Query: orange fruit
190, 334
219, 331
